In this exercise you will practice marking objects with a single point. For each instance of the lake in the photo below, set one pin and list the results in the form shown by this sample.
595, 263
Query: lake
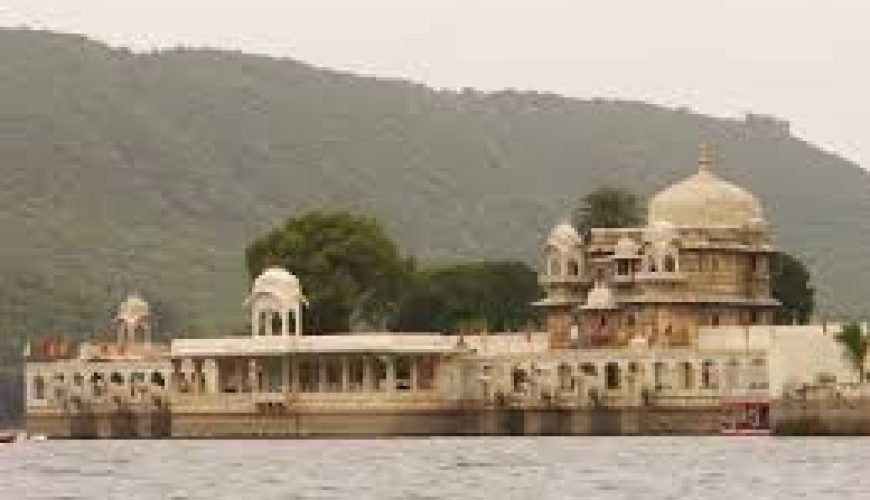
449, 468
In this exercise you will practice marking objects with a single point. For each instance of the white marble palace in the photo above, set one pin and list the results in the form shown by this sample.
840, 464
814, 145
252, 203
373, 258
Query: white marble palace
662, 326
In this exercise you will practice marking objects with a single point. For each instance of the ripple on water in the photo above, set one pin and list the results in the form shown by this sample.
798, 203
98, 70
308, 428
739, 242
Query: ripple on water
501, 468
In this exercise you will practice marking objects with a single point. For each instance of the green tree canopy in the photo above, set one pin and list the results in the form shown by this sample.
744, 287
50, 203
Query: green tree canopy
855, 344
790, 284
493, 295
608, 206
348, 266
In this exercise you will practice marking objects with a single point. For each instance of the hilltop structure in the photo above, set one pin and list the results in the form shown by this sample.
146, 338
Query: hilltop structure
656, 329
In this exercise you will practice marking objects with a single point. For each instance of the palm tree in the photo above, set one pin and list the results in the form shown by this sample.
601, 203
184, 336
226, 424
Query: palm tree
855, 344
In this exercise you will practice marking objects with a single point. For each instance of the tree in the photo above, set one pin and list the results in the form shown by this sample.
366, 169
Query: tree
608, 206
494, 296
348, 267
790, 284
855, 344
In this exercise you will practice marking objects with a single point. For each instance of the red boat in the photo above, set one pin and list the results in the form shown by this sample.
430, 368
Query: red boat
746, 417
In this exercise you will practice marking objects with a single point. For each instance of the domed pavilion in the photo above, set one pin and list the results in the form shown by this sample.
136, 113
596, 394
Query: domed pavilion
701, 260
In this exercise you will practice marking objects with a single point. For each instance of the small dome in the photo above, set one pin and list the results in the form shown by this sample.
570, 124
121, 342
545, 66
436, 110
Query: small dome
705, 200
626, 248
134, 306
279, 282
276, 276
600, 297
564, 236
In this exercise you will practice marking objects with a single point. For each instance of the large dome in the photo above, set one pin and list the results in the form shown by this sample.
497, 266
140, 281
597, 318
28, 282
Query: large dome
705, 200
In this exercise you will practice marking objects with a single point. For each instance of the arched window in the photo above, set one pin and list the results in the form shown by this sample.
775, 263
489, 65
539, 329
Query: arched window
139, 332
670, 264
566, 378
651, 264
555, 265
622, 267
276, 323
573, 267
707, 375
687, 375
612, 375
38, 387
519, 378
264, 317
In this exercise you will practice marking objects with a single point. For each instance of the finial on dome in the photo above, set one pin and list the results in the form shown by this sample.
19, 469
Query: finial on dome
705, 157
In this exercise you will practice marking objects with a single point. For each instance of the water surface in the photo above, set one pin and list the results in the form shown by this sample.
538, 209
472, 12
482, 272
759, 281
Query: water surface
501, 468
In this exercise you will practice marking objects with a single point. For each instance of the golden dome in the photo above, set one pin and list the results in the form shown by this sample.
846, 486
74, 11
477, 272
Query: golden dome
705, 200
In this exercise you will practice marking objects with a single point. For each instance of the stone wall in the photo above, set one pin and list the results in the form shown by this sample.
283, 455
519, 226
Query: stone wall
118, 424
526, 422
846, 417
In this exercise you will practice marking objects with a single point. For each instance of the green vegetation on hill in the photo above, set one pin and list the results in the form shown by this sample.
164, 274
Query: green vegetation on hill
151, 172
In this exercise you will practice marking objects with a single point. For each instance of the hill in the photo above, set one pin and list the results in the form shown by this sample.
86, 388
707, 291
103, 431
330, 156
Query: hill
123, 171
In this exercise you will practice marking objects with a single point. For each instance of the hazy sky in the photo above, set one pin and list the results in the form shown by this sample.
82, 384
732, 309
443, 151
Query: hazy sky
804, 60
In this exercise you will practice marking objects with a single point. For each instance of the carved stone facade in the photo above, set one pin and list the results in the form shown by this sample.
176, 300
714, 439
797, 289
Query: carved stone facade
701, 260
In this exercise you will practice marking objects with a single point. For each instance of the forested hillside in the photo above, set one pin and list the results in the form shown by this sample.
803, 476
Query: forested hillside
122, 171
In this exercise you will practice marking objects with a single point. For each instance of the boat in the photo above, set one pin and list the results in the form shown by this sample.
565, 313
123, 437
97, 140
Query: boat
746, 417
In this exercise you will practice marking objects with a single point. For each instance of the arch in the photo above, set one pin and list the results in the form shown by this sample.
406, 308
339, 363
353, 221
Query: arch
38, 387
708, 374
566, 378
670, 263
277, 323
612, 375
623, 267
573, 267
651, 264
659, 371
519, 378
555, 265
138, 332
589, 369
687, 375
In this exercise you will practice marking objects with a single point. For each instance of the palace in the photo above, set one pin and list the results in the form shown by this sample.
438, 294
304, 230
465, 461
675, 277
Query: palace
702, 260
657, 329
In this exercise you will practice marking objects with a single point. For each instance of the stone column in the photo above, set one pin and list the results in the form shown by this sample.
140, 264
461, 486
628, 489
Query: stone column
297, 318
294, 374
252, 375
321, 374
391, 373
255, 321
414, 366
367, 374
270, 321
345, 374
285, 374
285, 322
211, 374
